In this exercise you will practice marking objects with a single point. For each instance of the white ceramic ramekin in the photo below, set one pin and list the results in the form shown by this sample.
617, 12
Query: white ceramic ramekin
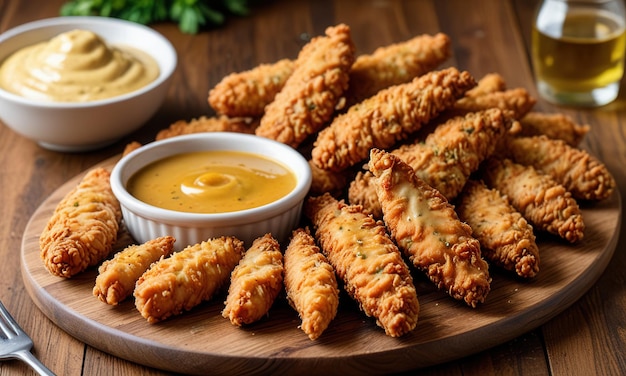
63, 126
146, 222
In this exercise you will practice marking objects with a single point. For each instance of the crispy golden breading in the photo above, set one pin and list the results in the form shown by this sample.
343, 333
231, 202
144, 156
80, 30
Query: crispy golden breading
255, 282
578, 171
314, 91
547, 205
367, 260
507, 240
310, 283
186, 278
130, 147
209, 124
428, 230
456, 149
445, 159
245, 94
489, 83
557, 126
395, 64
117, 277
327, 181
388, 117
515, 102
362, 191
83, 227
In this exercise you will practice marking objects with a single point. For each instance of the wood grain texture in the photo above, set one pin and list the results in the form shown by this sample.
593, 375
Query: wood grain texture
446, 329
487, 35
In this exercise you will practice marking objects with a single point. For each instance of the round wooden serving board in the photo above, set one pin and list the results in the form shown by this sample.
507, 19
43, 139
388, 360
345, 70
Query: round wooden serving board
201, 341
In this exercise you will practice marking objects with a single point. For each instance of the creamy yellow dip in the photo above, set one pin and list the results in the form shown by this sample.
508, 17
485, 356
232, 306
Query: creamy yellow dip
76, 66
212, 182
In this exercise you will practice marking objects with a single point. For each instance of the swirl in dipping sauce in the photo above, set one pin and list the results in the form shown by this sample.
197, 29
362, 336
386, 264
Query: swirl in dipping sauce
212, 182
76, 66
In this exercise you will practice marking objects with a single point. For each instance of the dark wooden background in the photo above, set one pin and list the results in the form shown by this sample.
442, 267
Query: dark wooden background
488, 36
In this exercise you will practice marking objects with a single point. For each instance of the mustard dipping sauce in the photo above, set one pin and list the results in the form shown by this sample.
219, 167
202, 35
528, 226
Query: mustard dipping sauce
76, 66
212, 182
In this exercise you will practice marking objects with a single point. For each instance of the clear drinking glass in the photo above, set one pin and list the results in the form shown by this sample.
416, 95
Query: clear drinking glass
578, 51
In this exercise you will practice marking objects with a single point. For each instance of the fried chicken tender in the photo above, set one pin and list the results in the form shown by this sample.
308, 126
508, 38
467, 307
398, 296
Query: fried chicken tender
362, 191
314, 91
427, 229
83, 228
489, 83
507, 240
327, 181
388, 117
547, 205
255, 282
558, 126
457, 148
209, 124
130, 147
395, 64
186, 278
515, 102
578, 171
445, 159
368, 262
245, 94
117, 277
310, 283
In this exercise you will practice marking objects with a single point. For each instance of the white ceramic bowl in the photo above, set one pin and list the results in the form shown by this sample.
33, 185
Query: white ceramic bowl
146, 222
90, 125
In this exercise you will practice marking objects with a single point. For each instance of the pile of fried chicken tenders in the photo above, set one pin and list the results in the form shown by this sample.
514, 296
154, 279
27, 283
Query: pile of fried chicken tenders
417, 169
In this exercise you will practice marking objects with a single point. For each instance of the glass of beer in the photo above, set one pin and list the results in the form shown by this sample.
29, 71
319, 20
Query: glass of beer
578, 51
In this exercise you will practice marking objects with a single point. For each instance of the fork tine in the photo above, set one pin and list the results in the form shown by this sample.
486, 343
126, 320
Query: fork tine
8, 324
19, 343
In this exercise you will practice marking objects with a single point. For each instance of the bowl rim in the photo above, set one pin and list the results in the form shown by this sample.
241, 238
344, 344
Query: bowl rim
223, 140
164, 74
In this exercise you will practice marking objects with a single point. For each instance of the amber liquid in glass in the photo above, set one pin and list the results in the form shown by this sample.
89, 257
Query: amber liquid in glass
582, 54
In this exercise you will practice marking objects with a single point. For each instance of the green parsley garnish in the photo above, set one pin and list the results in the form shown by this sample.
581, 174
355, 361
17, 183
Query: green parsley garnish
191, 15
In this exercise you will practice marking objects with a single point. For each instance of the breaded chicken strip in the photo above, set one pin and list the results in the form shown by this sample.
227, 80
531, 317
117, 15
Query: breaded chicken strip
314, 90
130, 147
446, 158
117, 277
83, 228
578, 171
209, 124
310, 283
255, 282
327, 181
558, 126
489, 83
395, 64
362, 191
186, 278
515, 102
457, 148
368, 262
547, 205
245, 94
507, 240
428, 230
388, 117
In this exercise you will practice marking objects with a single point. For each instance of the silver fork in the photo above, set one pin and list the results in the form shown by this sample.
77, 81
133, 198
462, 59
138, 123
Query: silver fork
16, 344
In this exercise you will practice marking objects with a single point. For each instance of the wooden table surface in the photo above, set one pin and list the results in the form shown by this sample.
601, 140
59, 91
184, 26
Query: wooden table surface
587, 338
